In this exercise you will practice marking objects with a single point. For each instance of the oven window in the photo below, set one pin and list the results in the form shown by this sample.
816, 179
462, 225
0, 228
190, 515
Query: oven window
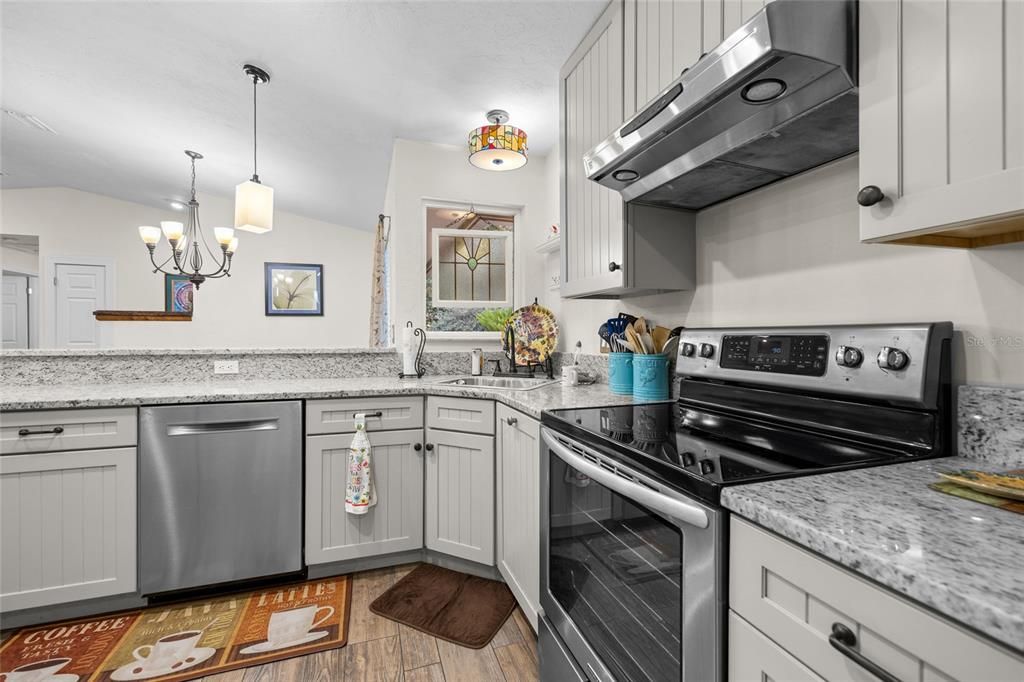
615, 568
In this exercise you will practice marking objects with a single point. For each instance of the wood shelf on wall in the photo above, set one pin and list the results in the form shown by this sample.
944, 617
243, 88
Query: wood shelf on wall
140, 316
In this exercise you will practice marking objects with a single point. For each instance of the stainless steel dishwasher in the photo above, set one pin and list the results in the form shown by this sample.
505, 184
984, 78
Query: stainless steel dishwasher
220, 493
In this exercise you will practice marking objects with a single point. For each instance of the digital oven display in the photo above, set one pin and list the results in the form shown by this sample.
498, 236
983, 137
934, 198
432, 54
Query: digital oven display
804, 355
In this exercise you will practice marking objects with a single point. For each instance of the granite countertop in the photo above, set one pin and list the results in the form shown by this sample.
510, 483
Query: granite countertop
961, 558
61, 396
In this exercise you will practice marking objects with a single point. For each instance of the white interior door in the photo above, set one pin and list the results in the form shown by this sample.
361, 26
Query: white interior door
79, 290
14, 320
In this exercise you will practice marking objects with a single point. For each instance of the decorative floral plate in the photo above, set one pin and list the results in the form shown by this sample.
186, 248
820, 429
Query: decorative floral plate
535, 332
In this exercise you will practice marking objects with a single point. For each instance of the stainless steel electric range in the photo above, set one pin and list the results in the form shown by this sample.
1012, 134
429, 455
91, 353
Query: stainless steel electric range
633, 538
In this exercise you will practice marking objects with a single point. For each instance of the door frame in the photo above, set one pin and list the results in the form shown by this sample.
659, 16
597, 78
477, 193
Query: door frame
50, 302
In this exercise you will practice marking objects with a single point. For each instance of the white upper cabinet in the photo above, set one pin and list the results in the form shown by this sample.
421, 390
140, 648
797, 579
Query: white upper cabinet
942, 121
607, 249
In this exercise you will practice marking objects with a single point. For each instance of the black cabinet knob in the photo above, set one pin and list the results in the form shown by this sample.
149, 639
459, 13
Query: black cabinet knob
870, 195
613, 266
417, 447
430, 447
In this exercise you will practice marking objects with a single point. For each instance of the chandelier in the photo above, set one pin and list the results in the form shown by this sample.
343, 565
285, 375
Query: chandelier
497, 147
185, 240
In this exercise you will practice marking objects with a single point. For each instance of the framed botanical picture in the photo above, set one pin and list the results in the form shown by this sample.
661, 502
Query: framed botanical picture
293, 288
177, 294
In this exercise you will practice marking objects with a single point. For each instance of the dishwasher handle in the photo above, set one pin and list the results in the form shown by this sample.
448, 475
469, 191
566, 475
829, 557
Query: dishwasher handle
223, 427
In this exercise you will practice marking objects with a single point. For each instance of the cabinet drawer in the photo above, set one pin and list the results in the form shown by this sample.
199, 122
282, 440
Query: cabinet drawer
461, 414
794, 597
754, 658
338, 416
56, 430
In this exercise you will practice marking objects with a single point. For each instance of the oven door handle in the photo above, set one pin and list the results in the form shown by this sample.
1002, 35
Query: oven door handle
652, 499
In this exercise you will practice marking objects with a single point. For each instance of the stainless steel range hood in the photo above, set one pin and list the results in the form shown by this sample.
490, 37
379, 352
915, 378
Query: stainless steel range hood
777, 97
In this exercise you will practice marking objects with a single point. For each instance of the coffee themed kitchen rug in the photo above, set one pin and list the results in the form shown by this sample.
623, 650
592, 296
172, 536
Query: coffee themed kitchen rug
184, 641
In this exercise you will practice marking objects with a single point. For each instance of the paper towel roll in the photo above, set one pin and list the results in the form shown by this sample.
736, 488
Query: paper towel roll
408, 351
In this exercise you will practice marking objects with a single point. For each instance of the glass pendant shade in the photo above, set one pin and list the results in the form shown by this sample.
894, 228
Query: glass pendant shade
497, 147
150, 234
254, 207
172, 229
223, 235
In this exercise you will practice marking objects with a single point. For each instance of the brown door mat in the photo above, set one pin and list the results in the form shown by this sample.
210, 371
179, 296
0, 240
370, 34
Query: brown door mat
452, 606
185, 641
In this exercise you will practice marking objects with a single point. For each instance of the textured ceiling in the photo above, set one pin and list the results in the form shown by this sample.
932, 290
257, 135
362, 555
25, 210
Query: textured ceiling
128, 85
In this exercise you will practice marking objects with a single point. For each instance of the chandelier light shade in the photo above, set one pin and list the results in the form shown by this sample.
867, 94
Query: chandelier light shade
254, 201
497, 147
188, 243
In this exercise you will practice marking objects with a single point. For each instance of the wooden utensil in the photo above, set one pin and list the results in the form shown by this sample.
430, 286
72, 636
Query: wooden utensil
660, 336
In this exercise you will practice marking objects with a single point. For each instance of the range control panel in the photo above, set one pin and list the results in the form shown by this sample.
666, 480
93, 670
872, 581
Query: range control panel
798, 354
893, 362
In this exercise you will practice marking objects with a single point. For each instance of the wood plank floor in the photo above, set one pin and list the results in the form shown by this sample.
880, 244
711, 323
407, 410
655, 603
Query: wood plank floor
381, 650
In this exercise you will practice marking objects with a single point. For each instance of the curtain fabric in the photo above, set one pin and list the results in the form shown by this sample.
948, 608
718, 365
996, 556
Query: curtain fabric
380, 323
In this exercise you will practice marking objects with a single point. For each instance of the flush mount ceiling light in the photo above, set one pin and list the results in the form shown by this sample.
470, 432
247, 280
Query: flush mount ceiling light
497, 147
764, 90
254, 201
188, 242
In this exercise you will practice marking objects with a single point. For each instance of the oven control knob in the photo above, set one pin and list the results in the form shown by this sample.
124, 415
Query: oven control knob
848, 356
688, 350
707, 350
689, 459
892, 358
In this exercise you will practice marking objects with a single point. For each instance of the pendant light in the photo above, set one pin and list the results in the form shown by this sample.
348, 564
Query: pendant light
254, 201
497, 147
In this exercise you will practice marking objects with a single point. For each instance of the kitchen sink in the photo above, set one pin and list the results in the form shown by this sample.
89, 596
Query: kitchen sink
502, 383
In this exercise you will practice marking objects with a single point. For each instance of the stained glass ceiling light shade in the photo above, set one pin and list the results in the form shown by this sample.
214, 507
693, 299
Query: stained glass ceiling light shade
497, 147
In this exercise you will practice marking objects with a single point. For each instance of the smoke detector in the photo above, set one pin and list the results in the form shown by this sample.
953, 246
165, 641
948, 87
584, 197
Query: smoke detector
30, 120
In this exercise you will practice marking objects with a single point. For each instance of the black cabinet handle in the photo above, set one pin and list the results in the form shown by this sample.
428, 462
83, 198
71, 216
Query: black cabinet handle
56, 431
844, 641
511, 421
613, 266
870, 195
430, 447
417, 447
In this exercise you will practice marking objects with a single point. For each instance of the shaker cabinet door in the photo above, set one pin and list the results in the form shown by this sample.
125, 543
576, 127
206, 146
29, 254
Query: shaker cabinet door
941, 105
519, 508
67, 527
394, 524
459, 510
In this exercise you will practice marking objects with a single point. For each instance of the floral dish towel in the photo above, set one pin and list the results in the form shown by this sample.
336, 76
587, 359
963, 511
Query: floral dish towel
360, 494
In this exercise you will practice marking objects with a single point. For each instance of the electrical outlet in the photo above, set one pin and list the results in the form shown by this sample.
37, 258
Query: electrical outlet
225, 366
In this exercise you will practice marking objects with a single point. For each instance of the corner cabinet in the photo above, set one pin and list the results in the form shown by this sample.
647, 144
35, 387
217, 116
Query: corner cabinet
460, 494
518, 485
609, 249
941, 133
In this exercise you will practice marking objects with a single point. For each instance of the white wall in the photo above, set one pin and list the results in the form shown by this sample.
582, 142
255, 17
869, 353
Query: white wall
422, 171
790, 254
229, 312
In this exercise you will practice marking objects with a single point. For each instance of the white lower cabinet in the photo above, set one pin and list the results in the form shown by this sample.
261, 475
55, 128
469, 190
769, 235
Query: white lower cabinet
518, 486
754, 657
394, 524
795, 599
67, 526
460, 494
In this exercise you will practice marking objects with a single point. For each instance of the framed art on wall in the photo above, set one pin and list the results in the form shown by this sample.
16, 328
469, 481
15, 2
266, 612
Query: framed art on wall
177, 294
293, 289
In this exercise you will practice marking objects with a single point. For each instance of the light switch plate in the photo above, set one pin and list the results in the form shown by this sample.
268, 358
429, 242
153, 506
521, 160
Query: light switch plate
225, 366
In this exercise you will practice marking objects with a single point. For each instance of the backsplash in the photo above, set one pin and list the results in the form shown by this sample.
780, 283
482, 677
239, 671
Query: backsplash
991, 425
32, 368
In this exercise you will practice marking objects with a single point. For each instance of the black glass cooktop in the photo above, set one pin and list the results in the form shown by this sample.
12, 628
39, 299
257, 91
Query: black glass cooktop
701, 450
